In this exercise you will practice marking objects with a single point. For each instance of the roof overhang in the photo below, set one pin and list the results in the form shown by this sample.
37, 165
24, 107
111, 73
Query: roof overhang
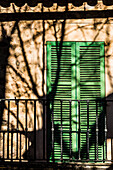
56, 15
49, 3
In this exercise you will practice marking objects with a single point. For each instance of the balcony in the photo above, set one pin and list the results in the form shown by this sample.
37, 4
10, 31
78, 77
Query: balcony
69, 131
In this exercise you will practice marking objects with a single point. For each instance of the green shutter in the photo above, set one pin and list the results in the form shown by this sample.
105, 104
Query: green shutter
61, 85
90, 86
77, 72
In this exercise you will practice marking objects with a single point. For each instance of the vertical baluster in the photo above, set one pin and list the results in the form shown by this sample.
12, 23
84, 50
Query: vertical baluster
1, 133
105, 148
11, 145
52, 131
61, 131
8, 129
97, 130
112, 149
87, 129
17, 103
0, 142
34, 129
79, 131
3, 143
26, 126
20, 146
44, 129
70, 131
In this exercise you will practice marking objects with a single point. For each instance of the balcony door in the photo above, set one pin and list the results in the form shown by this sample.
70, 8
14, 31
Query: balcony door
75, 71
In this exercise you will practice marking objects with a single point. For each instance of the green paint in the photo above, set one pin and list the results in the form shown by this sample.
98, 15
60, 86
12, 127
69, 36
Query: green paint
91, 86
80, 76
65, 89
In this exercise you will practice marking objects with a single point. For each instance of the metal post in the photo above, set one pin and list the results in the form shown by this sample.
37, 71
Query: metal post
34, 129
26, 126
20, 147
52, 131
8, 129
11, 145
79, 130
44, 129
70, 131
61, 132
104, 108
17, 103
97, 130
87, 130
3, 143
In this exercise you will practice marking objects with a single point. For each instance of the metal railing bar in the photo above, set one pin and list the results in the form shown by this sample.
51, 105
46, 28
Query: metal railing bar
79, 131
24, 131
43, 129
20, 147
99, 100
0, 128
61, 133
8, 129
97, 130
75, 160
111, 148
28, 147
87, 140
105, 120
65, 130
34, 130
52, 131
26, 126
17, 103
3, 144
70, 131
12, 146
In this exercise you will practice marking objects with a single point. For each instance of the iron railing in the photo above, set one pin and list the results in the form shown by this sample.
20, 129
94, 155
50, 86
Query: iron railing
54, 130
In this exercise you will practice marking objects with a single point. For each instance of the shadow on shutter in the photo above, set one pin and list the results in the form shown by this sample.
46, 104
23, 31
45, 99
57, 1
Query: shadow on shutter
90, 89
63, 91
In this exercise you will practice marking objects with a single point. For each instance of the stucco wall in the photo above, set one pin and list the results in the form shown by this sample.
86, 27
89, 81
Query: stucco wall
24, 51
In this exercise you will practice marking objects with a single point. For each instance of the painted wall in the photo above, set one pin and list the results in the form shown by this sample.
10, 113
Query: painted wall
23, 56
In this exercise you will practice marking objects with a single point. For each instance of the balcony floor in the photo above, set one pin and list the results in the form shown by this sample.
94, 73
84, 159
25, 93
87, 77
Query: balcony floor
51, 166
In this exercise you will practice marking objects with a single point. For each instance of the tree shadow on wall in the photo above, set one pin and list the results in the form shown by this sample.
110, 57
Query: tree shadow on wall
30, 135
4, 55
29, 154
38, 135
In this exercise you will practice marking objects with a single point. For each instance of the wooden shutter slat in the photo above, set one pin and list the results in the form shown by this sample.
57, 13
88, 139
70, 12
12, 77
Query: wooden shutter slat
90, 73
62, 91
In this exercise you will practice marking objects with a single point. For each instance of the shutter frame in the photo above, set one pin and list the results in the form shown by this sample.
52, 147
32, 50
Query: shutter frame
80, 84
75, 71
50, 64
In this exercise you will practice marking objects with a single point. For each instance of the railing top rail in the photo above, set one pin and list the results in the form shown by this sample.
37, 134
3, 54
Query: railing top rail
48, 99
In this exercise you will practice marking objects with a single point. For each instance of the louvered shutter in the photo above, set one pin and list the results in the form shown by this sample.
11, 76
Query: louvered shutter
91, 86
77, 72
61, 85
